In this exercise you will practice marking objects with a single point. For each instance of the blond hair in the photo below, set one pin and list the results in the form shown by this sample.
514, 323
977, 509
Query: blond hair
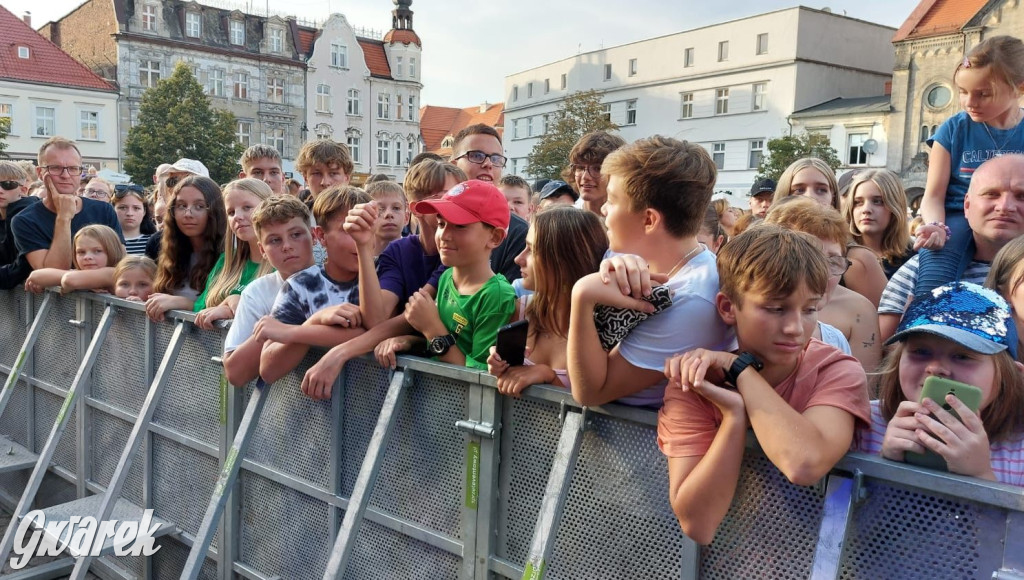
325, 151
803, 214
237, 254
1005, 56
278, 209
896, 237
379, 189
11, 171
784, 187
427, 178
107, 238
335, 200
127, 263
770, 259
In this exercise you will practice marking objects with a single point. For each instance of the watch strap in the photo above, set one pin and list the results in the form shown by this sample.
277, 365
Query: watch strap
744, 360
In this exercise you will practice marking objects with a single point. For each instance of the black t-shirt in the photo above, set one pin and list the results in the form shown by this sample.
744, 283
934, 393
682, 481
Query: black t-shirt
33, 227
503, 257
8, 250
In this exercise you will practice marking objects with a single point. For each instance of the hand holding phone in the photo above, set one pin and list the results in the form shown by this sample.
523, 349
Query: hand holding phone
511, 342
936, 389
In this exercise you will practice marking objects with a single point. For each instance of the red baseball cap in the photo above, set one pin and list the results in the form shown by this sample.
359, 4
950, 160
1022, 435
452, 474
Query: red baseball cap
469, 202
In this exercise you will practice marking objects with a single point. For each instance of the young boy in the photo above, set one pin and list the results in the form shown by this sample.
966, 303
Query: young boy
324, 163
292, 327
800, 396
584, 172
472, 301
392, 213
518, 194
658, 192
13, 189
285, 240
263, 162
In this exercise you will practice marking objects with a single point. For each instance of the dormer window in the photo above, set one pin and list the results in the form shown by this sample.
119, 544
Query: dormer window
276, 40
448, 142
193, 24
23, 52
237, 28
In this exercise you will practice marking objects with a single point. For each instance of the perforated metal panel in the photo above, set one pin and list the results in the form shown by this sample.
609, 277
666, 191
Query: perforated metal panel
109, 437
14, 423
57, 351
365, 386
169, 561
47, 406
385, 554
946, 538
771, 529
191, 400
183, 481
12, 306
119, 375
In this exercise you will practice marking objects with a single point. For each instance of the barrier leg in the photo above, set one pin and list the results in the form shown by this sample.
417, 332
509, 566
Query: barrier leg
226, 482
555, 494
15, 457
1013, 548
363, 489
111, 497
840, 495
36, 479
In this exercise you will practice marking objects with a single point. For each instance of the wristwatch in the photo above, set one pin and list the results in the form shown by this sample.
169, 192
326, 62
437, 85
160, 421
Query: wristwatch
440, 345
744, 360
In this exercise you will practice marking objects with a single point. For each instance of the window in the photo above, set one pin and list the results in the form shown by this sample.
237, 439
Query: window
276, 40
149, 17
938, 96
721, 101
412, 67
23, 52
718, 155
339, 55
756, 153
606, 112
398, 151
547, 86
398, 67
383, 152
7, 115
448, 142
193, 24
243, 132
216, 88
149, 73
237, 30
275, 90
529, 90
515, 92
855, 145
762, 43
925, 133
515, 129
544, 124
399, 101
564, 83
88, 125
607, 72
242, 86
323, 98
353, 107
632, 67
46, 121
410, 151
631, 112
275, 138
353, 147
412, 108
723, 50
383, 106
686, 112
323, 131
688, 57
759, 90
529, 126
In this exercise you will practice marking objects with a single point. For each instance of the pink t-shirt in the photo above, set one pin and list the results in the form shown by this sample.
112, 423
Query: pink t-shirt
687, 422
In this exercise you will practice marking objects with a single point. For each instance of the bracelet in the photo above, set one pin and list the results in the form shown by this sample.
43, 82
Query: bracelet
949, 232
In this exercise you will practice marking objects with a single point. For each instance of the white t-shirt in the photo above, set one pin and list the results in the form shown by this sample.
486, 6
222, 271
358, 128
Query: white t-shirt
256, 302
691, 322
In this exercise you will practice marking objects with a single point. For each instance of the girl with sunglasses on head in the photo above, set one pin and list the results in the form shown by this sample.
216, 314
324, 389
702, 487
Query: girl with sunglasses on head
133, 213
13, 198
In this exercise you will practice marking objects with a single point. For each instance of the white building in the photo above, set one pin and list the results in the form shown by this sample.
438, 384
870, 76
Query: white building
729, 87
855, 128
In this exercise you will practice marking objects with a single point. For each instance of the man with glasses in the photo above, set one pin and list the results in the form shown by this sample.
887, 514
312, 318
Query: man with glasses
477, 151
584, 172
44, 232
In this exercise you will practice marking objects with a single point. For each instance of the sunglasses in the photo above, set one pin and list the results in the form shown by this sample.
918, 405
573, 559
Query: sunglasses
10, 185
170, 182
122, 190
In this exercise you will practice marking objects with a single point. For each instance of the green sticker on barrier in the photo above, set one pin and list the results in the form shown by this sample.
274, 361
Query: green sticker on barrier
229, 463
223, 399
534, 572
69, 398
18, 364
472, 474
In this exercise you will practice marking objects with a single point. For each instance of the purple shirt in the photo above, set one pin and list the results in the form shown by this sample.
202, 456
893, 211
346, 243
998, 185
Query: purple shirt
404, 268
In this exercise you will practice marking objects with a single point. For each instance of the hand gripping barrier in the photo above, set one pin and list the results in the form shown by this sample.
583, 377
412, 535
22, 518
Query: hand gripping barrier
421, 472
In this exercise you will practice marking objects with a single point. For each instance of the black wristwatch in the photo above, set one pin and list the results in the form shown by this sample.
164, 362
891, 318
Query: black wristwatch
440, 345
744, 360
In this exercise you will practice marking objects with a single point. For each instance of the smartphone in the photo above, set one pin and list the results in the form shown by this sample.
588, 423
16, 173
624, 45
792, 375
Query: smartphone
936, 389
512, 342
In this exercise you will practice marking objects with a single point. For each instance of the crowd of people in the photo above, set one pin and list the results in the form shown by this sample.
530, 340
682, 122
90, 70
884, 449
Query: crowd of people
813, 318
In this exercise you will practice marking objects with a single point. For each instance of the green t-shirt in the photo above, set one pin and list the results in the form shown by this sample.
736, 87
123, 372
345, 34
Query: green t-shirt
475, 319
248, 275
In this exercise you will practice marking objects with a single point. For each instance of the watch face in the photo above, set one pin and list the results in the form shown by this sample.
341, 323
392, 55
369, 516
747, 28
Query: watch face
438, 345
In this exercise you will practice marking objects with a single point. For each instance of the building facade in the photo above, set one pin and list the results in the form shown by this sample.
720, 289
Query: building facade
44, 92
439, 125
729, 87
855, 129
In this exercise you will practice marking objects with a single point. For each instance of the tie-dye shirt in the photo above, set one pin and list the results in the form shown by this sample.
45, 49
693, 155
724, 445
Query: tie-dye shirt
309, 291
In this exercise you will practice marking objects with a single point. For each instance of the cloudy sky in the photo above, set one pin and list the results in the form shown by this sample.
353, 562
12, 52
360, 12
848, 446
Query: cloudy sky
469, 51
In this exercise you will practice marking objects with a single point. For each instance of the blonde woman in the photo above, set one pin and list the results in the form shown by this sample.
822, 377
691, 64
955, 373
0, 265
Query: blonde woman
876, 214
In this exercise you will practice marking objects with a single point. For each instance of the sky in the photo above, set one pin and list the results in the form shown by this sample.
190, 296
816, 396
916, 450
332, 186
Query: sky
468, 52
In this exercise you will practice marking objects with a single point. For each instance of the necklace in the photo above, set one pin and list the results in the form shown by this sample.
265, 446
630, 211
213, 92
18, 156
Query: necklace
999, 148
680, 263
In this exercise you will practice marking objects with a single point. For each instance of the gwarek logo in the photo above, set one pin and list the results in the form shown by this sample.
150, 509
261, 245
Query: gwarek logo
82, 536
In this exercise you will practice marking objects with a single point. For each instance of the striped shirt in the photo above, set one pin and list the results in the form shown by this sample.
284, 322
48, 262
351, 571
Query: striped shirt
901, 286
136, 246
1007, 455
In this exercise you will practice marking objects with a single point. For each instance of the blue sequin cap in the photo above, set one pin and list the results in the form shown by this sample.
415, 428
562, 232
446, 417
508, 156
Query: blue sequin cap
975, 317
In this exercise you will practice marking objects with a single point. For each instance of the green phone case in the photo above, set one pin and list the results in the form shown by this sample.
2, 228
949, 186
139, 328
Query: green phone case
936, 389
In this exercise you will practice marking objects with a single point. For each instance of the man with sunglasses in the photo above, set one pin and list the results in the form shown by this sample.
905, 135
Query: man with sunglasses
44, 232
477, 151
13, 199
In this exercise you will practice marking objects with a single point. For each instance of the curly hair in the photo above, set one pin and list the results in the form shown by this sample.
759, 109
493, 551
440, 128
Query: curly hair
173, 270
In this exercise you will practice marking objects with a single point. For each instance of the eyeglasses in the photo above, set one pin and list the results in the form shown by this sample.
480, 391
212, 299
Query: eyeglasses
96, 194
170, 182
59, 169
478, 157
182, 209
593, 170
838, 265
10, 185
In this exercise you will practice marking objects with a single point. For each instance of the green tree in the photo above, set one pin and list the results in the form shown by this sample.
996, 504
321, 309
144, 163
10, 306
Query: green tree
580, 113
5, 130
175, 121
785, 150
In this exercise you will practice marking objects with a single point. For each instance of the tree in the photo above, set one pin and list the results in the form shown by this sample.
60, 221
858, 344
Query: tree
5, 130
785, 150
580, 113
175, 121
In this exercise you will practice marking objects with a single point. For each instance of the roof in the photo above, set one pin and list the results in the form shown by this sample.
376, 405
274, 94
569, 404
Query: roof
376, 58
436, 123
404, 35
47, 63
938, 17
306, 37
844, 106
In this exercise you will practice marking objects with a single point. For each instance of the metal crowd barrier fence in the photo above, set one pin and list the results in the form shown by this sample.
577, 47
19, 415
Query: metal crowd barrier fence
421, 473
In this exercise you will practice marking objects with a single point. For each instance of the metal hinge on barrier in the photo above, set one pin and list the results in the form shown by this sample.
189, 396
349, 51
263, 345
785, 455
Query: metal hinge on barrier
476, 428
563, 408
859, 492
77, 323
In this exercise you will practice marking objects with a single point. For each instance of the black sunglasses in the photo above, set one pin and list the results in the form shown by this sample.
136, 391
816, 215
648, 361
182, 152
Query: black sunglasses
10, 185
170, 182
122, 190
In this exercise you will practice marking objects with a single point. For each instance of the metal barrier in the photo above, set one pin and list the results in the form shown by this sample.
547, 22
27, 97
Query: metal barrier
429, 473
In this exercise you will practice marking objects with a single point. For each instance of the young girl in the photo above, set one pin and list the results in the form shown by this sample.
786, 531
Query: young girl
711, 233
133, 278
726, 215
190, 243
811, 177
242, 262
562, 245
876, 213
1005, 277
129, 203
97, 250
989, 80
965, 333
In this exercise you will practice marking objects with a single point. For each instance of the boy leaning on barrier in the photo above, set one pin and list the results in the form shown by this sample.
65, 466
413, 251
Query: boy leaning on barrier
800, 396
302, 315
285, 239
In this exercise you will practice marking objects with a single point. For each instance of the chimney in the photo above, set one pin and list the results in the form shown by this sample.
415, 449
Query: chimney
888, 88
27, 18
484, 106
